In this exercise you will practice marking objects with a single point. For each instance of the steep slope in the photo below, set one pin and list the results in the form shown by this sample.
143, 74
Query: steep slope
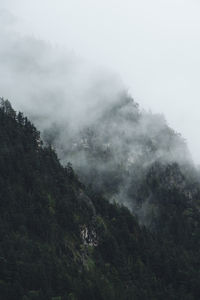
115, 152
60, 240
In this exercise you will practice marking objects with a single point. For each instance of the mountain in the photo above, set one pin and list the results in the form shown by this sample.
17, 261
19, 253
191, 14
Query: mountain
116, 151
64, 239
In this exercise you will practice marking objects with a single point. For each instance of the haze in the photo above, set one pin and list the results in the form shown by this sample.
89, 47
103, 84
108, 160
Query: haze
153, 45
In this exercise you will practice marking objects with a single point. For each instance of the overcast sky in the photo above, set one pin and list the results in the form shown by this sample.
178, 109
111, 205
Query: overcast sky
154, 46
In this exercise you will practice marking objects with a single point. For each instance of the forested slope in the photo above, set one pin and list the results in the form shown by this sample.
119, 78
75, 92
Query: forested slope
62, 240
116, 150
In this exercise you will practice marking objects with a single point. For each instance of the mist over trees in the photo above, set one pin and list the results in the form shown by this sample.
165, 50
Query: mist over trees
57, 234
115, 153
115, 214
86, 113
63, 240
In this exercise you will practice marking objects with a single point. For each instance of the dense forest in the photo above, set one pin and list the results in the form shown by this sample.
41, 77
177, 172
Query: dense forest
63, 239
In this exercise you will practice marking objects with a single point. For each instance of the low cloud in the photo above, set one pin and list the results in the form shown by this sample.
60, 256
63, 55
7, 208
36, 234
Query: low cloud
85, 113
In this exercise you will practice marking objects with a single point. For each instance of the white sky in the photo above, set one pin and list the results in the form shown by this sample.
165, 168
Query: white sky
153, 45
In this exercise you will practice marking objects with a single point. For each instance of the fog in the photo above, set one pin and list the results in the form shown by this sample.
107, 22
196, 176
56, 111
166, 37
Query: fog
152, 45
87, 113
57, 89
50, 83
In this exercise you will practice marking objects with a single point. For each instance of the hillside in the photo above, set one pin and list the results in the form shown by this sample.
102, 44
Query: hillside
117, 150
61, 239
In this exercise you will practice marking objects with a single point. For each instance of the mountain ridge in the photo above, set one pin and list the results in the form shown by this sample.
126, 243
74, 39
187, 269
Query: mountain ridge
62, 239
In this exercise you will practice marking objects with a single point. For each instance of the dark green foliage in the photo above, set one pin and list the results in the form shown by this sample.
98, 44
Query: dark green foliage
60, 241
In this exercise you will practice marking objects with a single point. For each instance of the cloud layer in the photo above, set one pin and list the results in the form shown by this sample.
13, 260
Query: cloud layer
49, 82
